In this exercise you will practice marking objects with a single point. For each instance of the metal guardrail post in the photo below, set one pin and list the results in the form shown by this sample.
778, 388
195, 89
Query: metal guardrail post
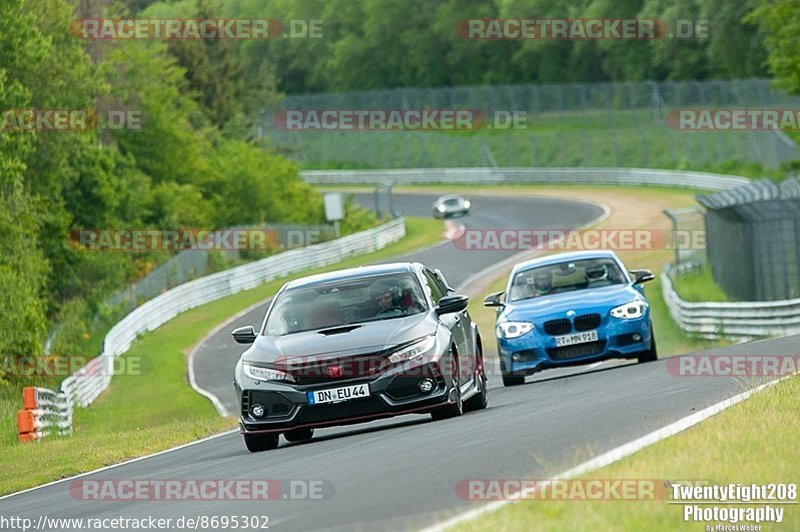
47, 411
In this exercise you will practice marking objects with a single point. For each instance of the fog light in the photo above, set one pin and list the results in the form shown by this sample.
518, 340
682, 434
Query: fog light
516, 357
425, 385
258, 410
637, 337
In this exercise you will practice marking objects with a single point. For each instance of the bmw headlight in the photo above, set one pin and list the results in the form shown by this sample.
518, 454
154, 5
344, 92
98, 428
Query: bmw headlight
415, 350
629, 311
513, 329
266, 374
467, 204
441, 208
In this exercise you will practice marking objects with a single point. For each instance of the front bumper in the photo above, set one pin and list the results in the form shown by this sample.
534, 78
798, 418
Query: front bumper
391, 394
450, 213
537, 350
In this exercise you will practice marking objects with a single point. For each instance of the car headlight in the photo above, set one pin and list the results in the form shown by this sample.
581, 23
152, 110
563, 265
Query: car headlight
266, 374
415, 350
467, 204
513, 329
441, 208
629, 311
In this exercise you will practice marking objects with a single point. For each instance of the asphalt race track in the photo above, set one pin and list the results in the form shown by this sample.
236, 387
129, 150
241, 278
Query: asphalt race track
402, 473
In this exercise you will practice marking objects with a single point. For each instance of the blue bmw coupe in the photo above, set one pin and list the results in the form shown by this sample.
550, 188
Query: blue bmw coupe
569, 309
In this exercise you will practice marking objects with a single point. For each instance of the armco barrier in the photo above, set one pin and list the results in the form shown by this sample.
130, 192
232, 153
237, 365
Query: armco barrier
83, 386
593, 176
740, 320
45, 412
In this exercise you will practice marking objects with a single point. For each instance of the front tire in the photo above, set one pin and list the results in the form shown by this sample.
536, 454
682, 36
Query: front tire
480, 400
513, 380
456, 408
651, 355
298, 435
256, 443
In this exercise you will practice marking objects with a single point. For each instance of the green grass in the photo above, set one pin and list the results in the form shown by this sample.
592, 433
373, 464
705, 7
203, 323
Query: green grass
544, 145
754, 442
141, 414
699, 285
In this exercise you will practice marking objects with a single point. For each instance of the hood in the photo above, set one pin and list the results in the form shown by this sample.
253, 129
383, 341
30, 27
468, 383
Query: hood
364, 339
594, 299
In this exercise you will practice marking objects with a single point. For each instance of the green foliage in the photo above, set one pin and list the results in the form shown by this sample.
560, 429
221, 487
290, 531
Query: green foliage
185, 167
259, 187
699, 285
780, 20
372, 44
356, 218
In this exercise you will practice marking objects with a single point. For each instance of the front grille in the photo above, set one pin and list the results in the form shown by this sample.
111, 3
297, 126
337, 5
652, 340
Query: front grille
576, 351
245, 402
587, 322
557, 327
355, 367
346, 409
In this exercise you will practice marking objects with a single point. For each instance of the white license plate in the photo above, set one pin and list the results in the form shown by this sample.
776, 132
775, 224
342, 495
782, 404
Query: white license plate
577, 338
336, 395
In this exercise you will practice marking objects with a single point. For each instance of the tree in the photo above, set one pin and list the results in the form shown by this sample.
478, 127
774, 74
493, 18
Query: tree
780, 20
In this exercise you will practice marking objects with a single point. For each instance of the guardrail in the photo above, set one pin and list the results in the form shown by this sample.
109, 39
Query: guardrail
593, 176
45, 412
82, 387
740, 320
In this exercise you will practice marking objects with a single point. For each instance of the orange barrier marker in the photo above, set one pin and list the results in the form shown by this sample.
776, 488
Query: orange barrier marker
26, 419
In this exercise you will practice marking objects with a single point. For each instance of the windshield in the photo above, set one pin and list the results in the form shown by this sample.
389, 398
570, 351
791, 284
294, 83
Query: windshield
343, 303
566, 276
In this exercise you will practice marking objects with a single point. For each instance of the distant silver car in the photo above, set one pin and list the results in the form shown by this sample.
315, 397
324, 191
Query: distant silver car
451, 205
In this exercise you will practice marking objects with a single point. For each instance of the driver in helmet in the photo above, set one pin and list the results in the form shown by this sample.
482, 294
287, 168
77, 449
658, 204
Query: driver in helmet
597, 274
542, 282
385, 295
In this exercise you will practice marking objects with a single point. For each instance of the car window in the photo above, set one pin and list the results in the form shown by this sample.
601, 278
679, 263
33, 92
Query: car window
345, 302
565, 276
437, 289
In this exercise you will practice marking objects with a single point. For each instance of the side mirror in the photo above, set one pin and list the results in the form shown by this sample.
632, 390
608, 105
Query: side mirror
244, 335
494, 300
451, 304
642, 276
